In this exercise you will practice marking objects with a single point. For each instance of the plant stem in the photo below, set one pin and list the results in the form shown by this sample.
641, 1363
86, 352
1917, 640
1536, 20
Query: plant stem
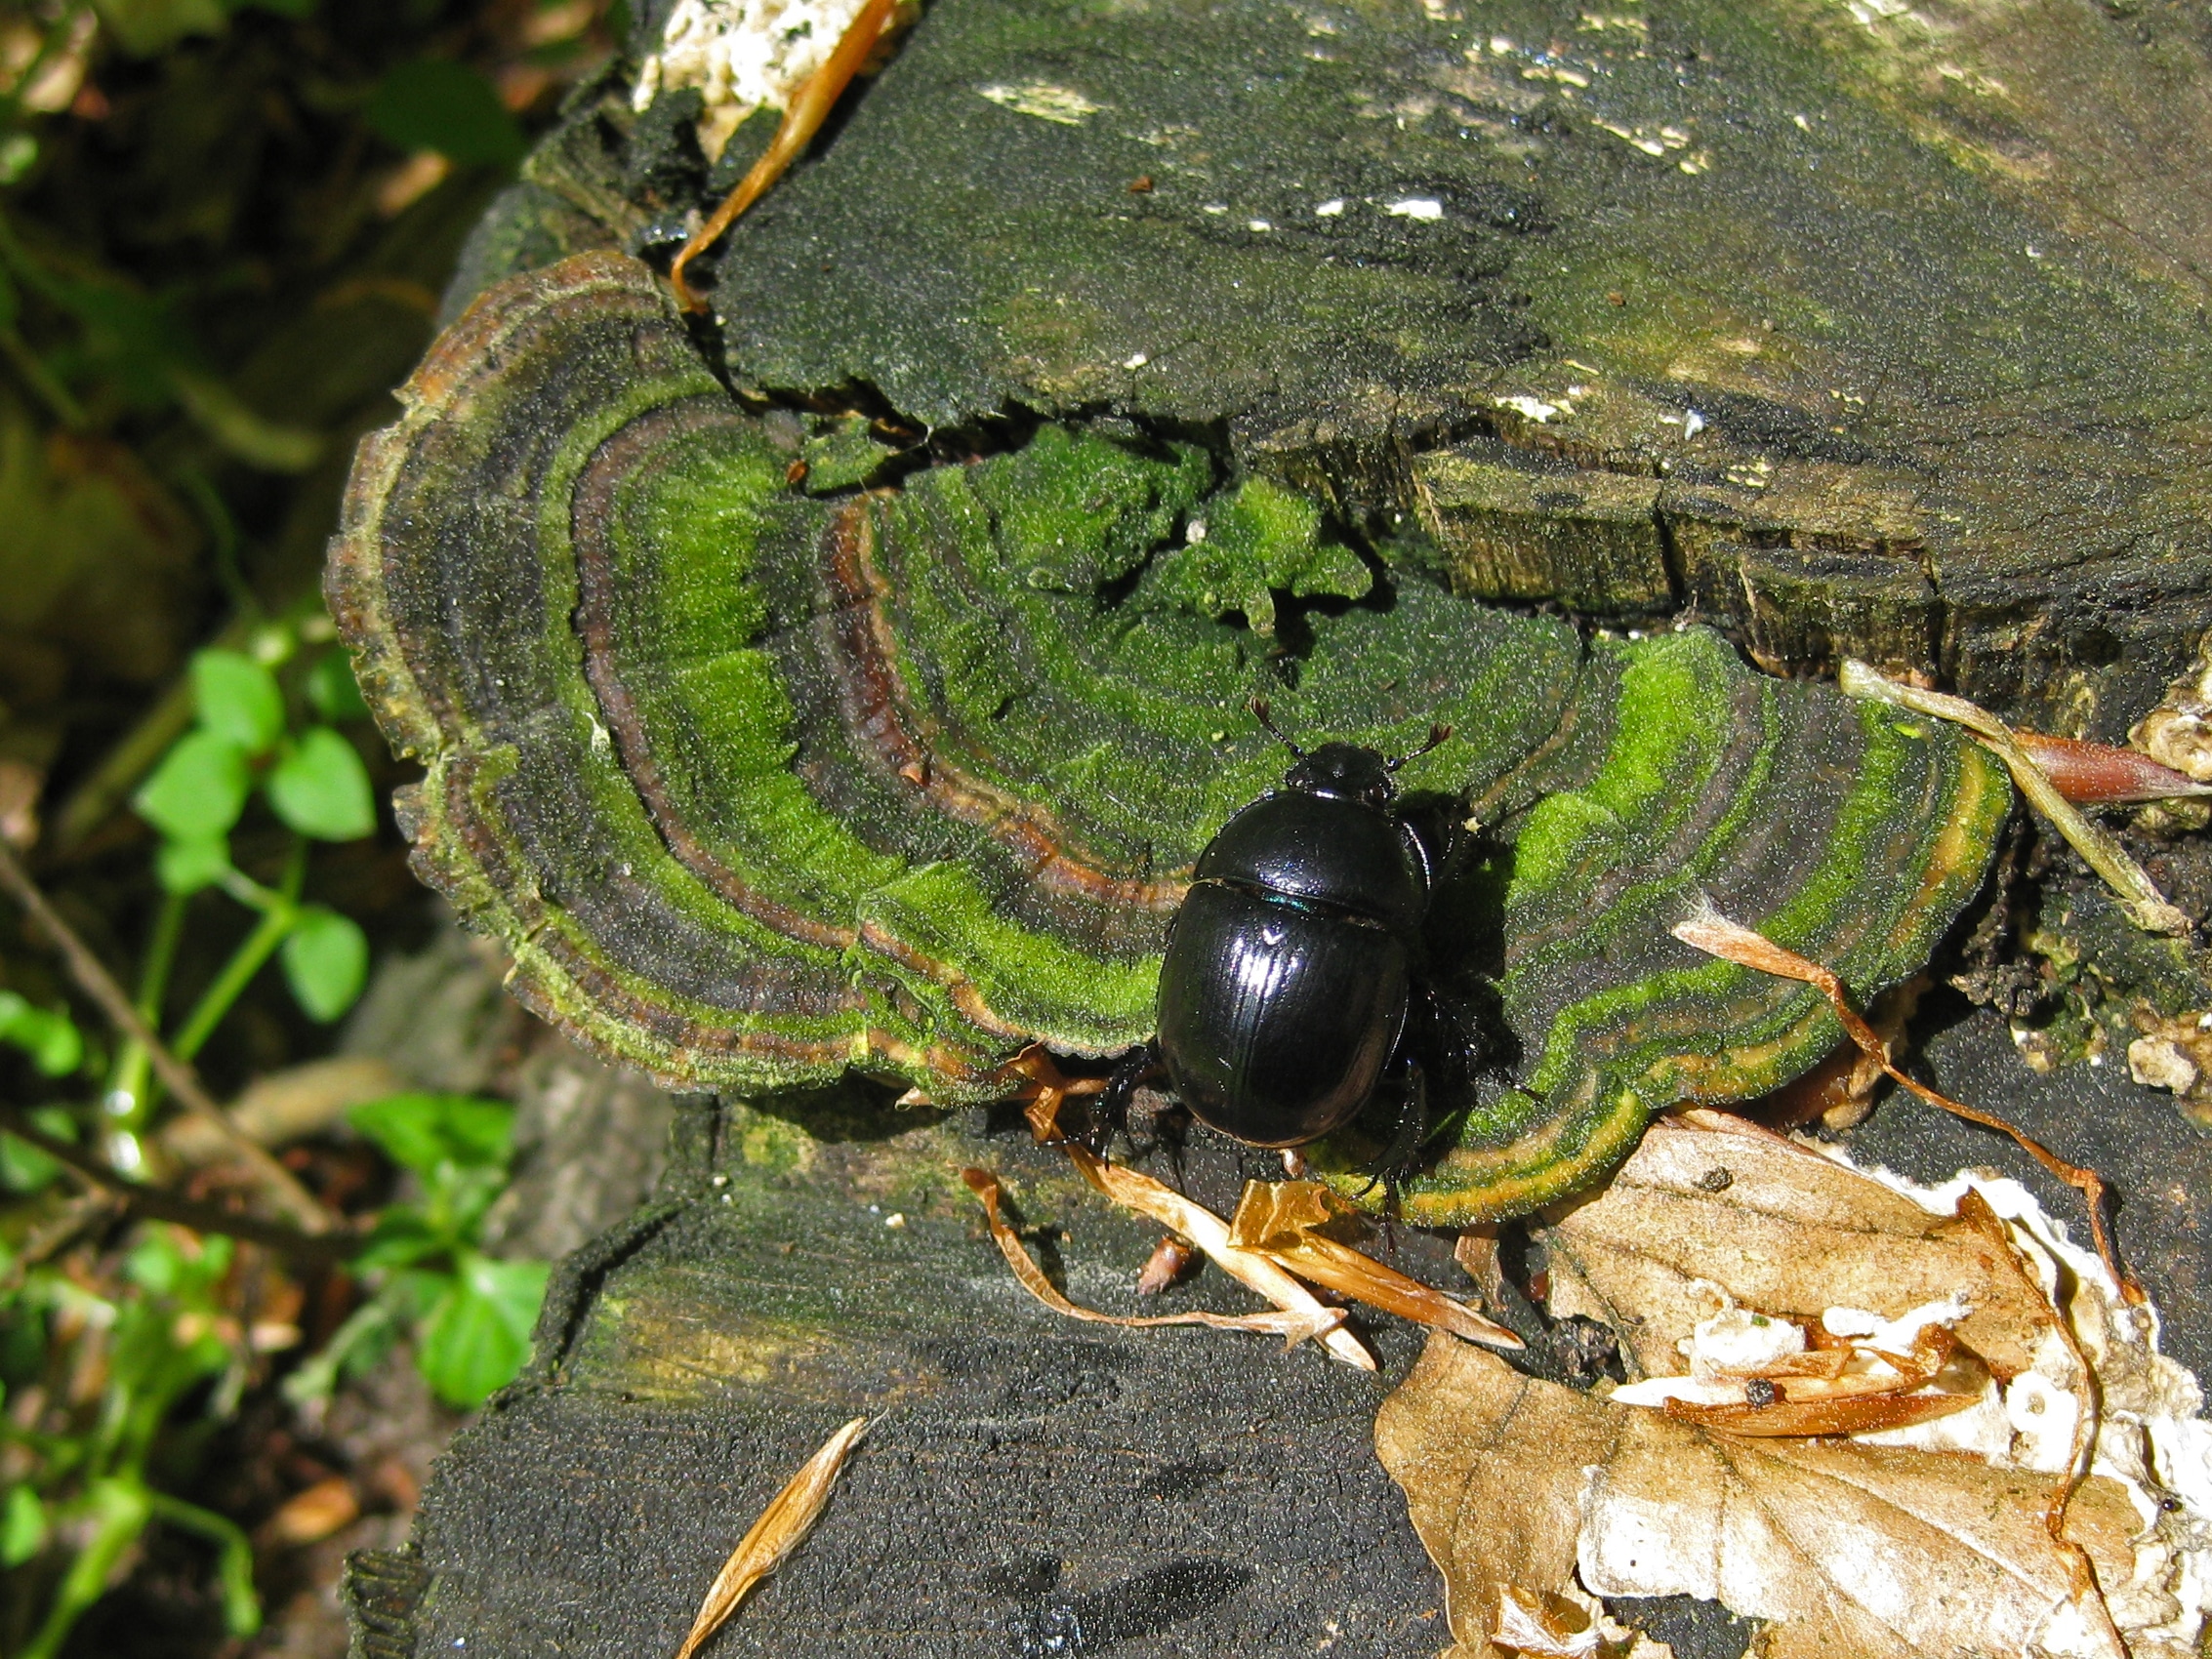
223, 537
100, 984
162, 1204
121, 1512
130, 1083
57, 397
280, 915
241, 1607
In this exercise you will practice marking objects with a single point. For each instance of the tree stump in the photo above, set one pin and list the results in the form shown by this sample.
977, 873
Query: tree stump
1850, 330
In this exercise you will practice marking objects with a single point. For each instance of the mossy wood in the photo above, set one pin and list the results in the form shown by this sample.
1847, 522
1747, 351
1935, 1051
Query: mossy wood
1859, 329
760, 786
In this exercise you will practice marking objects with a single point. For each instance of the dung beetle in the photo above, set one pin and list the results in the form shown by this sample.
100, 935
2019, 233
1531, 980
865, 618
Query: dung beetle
1296, 958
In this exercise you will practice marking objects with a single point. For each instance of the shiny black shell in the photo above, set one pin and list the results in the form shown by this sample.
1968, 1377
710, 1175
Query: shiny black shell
1290, 965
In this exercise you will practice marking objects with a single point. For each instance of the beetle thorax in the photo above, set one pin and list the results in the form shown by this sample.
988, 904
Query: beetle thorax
1343, 769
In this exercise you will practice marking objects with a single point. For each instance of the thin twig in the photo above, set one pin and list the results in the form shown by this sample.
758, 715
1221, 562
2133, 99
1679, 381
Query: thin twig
2140, 898
810, 107
182, 1081
1714, 934
164, 1205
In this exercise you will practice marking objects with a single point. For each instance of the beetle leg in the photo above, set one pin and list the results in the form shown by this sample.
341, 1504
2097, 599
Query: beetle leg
1396, 1163
1110, 1111
1173, 1129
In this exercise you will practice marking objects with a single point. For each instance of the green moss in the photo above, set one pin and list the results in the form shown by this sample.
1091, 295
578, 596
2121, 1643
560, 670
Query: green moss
1251, 545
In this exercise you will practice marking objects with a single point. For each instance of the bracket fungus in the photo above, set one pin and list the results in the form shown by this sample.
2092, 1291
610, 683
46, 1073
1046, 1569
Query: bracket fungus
759, 786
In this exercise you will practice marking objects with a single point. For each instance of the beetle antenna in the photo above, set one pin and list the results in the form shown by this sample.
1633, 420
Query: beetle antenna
1436, 734
1259, 711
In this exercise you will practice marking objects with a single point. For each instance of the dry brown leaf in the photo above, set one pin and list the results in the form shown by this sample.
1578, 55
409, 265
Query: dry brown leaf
1853, 1551
1711, 932
1291, 1222
307, 1518
1710, 1200
1294, 1326
790, 1515
2065, 1512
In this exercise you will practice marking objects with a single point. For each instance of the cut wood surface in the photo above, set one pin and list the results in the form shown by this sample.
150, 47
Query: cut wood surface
1865, 329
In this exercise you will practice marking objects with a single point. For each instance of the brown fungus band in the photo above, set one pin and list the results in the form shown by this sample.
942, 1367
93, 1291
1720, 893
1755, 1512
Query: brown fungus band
759, 786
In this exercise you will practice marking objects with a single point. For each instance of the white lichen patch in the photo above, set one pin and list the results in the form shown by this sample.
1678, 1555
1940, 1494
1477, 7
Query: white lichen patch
745, 55
1658, 143
2179, 731
1534, 408
1044, 101
2151, 1433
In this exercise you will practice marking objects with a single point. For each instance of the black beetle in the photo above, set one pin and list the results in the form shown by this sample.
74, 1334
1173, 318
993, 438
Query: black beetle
1295, 959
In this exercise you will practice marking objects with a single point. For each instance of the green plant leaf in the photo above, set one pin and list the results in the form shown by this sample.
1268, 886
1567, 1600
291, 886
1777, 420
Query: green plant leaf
477, 1336
238, 699
403, 1236
356, 1348
326, 962
18, 154
333, 690
22, 1527
52, 1040
436, 103
187, 866
423, 1131
23, 1168
198, 790
143, 27
322, 788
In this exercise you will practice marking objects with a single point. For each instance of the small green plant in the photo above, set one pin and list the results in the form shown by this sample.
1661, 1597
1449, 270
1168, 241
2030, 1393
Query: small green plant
248, 738
469, 1315
80, 1461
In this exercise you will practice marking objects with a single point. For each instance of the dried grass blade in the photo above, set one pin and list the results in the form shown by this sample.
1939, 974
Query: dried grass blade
2145, 905
1281, 1219
1860, 1414
1210, 1233
1294, 1325
1714, 934
804, 116
790, 1515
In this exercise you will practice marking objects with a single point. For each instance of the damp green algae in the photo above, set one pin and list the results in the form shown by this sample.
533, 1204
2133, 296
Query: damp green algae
775, 786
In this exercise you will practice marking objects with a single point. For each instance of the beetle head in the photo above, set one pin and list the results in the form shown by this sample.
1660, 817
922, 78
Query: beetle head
1344, 769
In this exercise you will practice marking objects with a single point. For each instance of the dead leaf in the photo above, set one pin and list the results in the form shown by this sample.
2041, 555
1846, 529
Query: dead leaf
1476, 1252
2053, 1498
311, 1516
1713, 933
1711, 1200
1294, 1326
1850, 1550
1291, 1222
2097, 774
790, 1515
